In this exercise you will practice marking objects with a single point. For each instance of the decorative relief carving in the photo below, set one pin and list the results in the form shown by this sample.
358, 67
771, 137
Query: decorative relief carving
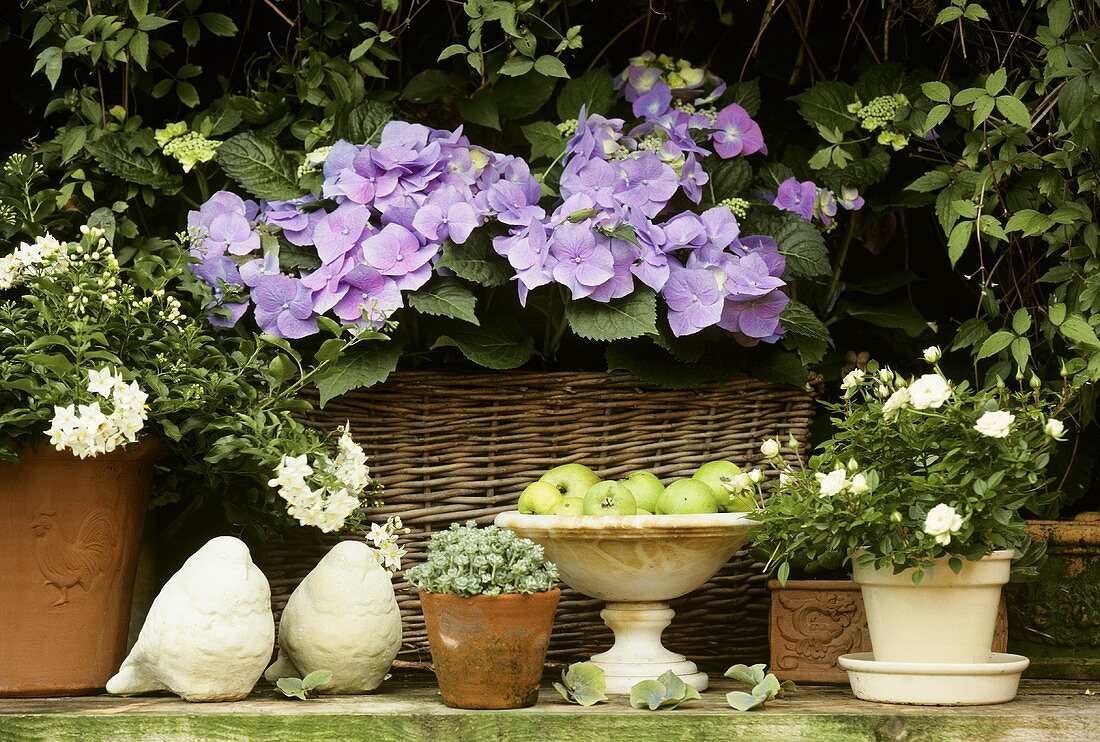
65, 562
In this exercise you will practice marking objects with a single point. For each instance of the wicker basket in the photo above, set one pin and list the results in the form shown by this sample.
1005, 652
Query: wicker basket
451, 448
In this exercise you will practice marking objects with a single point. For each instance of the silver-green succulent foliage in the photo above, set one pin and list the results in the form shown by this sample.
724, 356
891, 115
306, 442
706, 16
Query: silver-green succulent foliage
467, 561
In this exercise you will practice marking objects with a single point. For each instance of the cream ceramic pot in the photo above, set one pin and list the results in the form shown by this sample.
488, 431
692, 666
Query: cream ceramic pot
948, 617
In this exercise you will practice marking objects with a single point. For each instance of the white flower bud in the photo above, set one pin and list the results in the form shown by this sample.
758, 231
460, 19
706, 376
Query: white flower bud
770, 448
933, 354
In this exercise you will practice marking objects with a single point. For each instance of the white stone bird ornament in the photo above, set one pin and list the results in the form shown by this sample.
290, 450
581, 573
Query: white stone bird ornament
209, 633
343, 618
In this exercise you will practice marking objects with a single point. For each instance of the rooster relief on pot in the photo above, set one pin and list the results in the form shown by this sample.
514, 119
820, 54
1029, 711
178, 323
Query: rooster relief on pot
67, 563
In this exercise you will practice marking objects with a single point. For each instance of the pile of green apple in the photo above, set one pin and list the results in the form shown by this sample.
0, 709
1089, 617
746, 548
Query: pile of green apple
574, 489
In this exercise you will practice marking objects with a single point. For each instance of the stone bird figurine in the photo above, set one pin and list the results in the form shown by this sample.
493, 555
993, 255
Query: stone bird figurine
343, 618
209, 632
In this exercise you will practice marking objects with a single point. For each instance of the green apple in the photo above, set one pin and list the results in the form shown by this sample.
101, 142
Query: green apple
540, 498
642, 511
687, 496
721, 477
569, 506
645, 487
609, 498
572, 480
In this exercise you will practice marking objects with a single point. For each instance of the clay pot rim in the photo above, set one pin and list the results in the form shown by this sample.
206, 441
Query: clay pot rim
149, 448
514, 597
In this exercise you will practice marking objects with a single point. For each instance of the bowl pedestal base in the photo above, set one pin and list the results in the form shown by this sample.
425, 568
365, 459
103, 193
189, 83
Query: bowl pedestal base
638, 654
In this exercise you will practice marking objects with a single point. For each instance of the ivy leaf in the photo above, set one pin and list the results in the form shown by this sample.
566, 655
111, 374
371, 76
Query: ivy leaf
1079, 331
49, 62
475, 260
516, 66
630, 317
259, 166
360, 368
499, 345
550, 66
366, 121
445, 297
594, 90
113, 153
219, 24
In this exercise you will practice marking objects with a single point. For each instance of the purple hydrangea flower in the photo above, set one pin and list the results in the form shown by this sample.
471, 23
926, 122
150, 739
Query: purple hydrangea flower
284, 307
446, 215
219, 273
751, 277
338, 233
623, 255
582, 263
648, 183
694, 301
396, 252
254, 270
757, 318
850, 199
796, 197
653, 102
297, 223
223, 224
735, 133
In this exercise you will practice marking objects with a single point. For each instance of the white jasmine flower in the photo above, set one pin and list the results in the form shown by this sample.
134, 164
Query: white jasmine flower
893, 406
933, 354
941, 522
834, 482
995, 424
929, 392
101, 382
770, 448
1056, 429
391, 555
859, 484
295, 466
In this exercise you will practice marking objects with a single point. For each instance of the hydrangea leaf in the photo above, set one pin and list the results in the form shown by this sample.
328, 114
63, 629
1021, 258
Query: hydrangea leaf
546, 141
499, 345
519, 97
746, 674
475, 261
316, 679
360, 368
446, 297
428, 86
622, 319
259, 166
594, 90
826, 103
653, 365
799, 241
728, 178
745, 94
481, 109
366, 121
115, 156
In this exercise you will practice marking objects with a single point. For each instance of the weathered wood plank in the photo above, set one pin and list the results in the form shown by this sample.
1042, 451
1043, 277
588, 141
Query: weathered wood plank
408, 709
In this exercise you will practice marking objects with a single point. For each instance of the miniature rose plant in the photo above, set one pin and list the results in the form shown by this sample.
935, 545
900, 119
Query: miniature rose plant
917, 469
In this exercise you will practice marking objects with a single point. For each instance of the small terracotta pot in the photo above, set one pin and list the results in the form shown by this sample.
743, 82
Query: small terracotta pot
489, 650
71, 531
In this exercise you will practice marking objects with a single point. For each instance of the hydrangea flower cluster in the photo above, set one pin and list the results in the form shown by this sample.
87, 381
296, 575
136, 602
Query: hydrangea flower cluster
384, 538
878, 115
189, 148
466, 560
88, 429
611, 232
44, 256
326, 493
810, 201
395, 206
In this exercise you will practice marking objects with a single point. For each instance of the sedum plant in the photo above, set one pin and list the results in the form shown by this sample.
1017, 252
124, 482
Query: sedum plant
917, 469
466, 560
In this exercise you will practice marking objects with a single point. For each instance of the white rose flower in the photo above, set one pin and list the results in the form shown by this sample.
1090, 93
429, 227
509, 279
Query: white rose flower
893, 406
1056, 429
933, 354
770, 448
834, 482
739, 483
929, 392
941, 522
859, 484
852, 378
995, 424
755, 476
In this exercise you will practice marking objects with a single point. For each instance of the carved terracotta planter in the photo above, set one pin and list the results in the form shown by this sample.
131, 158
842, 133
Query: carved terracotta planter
488, 651
71, 531
1056, 619
815, 621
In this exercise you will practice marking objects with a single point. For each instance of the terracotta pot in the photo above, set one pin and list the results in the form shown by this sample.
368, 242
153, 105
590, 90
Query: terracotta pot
1056, 619
488, 650
71, 531
948, 617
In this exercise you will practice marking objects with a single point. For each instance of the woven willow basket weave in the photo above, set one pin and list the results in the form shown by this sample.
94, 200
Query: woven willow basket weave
452, 447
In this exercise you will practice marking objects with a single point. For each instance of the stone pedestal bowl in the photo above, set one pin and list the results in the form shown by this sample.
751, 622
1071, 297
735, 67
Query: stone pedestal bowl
637, 563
